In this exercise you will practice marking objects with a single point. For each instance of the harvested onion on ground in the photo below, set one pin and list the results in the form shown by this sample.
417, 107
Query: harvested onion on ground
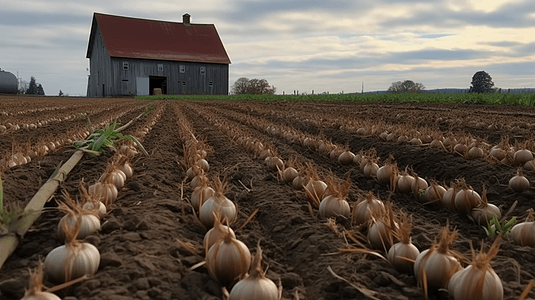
228, 260
381, 229
335, 204
434, 267
478, 280
485, 211
519, 183
364, 207
403, 253
219, 205
72, 260
523, 234
89, 222
255, 285
34, 291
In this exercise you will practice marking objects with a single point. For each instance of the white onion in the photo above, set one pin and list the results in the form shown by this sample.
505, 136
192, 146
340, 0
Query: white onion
72, 261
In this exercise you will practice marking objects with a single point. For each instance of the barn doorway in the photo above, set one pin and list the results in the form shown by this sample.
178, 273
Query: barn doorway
157, 82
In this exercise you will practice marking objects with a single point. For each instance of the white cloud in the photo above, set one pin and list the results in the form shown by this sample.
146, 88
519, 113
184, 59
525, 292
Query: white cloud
302, 44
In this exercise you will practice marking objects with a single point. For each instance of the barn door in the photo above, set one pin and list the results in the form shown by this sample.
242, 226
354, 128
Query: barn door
142, 86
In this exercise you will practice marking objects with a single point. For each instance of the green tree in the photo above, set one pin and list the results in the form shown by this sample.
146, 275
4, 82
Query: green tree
32, 88
482, 83
40, 90
407, 86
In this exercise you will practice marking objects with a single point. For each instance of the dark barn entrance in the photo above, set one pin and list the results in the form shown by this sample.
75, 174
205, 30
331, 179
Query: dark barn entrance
157, 82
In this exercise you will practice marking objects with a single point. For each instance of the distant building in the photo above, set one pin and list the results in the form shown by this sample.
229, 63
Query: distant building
8, 83
131, 56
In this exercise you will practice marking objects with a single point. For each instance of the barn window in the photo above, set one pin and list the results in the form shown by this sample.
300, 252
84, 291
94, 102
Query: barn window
160, 67
126, 66
210, 83
183, 83
182, 68
203, 70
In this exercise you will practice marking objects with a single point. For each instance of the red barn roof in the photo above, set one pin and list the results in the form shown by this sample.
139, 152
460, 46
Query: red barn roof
160, 40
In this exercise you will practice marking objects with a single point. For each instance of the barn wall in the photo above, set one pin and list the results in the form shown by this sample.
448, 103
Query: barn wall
191, 81
101, 76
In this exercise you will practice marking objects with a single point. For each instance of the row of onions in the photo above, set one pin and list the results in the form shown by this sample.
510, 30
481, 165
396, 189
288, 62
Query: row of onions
76, 259
383, 229
227, 259
330, 198
38, 117
520, 154
24, 153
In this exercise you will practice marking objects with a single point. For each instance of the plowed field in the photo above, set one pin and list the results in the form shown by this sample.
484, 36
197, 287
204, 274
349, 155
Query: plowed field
141, 257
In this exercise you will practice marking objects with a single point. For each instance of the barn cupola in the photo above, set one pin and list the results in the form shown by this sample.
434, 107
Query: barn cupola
186, 19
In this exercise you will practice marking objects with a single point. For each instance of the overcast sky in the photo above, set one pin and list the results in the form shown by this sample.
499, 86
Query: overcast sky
296, 45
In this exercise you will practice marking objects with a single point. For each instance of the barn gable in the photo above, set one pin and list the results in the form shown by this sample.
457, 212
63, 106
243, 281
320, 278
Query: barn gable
134, 56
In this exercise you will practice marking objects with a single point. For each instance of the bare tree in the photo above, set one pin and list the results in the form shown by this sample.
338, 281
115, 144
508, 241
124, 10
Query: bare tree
407, 86
254, 86
240, 86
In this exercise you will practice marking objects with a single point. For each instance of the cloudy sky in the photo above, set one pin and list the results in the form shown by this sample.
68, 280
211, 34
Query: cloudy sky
300, 45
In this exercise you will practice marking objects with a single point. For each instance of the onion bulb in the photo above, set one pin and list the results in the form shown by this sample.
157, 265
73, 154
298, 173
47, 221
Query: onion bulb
530, 165
127, 169
200, 195
72, 260
332, 206
485, 211
335, 204
335, 153
403, 254
216, 234
315, 191
418, 186
34, 291
387, 173
437, 264
522, 156
255, 285
299, 182
523, 234
86, 220
405, 182
380, 231
219, 205
203, 164
228, 260
289, 174
434, 193
478, 280
370, 169
346, 157
274, 163
519, 183
118, 178
105, 192
475, 152
364, 207
90, 224
466, 199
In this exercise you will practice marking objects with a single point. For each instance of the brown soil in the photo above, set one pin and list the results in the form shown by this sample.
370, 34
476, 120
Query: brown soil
140, 254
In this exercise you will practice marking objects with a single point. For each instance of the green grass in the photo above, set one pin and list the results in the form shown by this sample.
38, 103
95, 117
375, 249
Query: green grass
498, 99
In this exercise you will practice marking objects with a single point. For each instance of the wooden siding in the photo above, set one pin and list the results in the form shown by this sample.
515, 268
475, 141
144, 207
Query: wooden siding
124, 81
100, 68
108, 78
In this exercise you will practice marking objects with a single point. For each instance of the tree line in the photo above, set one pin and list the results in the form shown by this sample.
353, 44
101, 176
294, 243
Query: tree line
34, 88
244, 86
481, 83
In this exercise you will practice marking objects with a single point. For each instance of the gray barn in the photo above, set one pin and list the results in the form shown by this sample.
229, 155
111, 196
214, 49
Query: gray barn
130, 56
